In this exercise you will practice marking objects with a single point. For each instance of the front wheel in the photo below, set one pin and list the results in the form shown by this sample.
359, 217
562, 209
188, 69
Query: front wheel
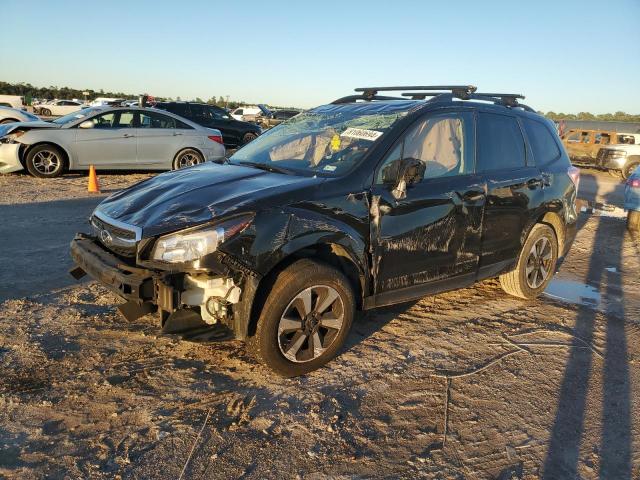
633, 221
187, 158
45, 112
45, 161
536, 264
305, 318
8, 120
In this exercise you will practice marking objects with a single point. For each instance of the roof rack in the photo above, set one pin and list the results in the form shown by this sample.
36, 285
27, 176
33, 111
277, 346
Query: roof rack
457, 90
440, 93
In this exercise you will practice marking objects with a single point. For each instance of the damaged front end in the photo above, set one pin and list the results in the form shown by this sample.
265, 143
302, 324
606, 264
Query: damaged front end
178, 273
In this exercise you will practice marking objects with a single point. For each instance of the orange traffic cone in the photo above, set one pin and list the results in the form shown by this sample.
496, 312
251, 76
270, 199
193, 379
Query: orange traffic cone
94, 185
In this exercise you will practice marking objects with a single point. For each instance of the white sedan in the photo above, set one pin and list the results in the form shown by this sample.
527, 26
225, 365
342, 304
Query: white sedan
113, 138
58, 107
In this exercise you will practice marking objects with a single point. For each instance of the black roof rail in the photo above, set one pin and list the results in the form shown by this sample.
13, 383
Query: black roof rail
440, 94
421, 95
460, 91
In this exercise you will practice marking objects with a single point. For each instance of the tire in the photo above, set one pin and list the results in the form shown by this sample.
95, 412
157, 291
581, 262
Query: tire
187, 158
633, 221
248, 137
8, 120
628, 169
535, 268
45, 112
45, 161
290, 351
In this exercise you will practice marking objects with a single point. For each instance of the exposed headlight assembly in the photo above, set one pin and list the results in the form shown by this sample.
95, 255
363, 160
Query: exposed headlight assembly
192, 244
12, 137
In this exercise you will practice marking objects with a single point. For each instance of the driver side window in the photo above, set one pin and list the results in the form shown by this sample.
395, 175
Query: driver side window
442, 143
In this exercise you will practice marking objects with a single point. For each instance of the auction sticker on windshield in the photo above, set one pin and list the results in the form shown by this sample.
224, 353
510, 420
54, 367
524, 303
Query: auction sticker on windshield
361, 133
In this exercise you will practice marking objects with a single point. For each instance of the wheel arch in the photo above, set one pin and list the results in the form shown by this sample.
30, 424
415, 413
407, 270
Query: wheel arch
330, 253
553, 220
24, 151
182, 149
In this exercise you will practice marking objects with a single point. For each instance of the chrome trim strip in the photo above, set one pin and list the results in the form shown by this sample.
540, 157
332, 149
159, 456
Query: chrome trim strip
119, 224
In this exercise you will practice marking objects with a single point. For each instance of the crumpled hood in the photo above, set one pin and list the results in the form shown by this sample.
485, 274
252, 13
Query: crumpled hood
10, 127
183, 198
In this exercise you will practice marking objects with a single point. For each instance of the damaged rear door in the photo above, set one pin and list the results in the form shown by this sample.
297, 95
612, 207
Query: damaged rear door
431, 237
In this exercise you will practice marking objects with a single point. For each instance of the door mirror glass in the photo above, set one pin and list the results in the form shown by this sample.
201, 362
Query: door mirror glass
411, 170
86, 124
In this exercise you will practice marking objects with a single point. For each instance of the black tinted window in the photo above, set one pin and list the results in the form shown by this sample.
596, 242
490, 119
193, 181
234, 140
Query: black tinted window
177, 108
500, 143
542, 142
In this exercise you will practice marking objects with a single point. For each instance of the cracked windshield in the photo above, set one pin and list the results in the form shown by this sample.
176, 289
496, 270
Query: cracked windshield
326, 141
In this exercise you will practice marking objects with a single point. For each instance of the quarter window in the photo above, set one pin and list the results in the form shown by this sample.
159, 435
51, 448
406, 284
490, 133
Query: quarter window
500, 143
156, 120
543, 144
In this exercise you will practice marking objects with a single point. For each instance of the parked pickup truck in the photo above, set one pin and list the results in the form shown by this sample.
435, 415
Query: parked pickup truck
583, 145
365, 202
622, 159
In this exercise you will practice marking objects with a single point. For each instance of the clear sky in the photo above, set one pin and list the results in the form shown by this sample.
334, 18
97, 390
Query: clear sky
564, 55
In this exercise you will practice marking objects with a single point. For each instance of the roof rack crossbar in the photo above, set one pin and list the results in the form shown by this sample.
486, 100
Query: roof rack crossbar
461, 91
353, 98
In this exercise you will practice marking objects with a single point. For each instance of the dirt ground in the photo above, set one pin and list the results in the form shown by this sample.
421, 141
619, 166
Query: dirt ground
470, 384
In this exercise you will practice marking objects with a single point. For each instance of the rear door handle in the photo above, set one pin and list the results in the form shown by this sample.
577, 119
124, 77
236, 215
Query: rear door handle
128, 135
175, 134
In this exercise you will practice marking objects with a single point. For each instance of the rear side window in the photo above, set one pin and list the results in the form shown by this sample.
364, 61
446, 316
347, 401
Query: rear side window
500, 143
177, 108
545, 149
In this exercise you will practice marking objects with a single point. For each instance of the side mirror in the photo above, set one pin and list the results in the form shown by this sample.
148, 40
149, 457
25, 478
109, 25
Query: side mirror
402, 173
86, 124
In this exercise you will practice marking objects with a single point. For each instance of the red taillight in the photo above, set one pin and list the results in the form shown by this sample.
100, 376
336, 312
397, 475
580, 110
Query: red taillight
574, 175
215, 138
634, 182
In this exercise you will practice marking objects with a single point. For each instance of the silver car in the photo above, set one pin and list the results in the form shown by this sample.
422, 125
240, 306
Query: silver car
112, 138
11, 115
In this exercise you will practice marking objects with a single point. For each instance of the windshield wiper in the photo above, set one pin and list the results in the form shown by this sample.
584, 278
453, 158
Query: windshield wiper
264, 166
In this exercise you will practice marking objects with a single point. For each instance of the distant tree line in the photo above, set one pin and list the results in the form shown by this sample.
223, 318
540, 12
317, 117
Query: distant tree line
29, 91
602, 117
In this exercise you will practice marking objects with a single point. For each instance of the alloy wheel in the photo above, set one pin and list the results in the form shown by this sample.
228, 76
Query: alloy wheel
310, 323
539, 263
46, 162
188, 159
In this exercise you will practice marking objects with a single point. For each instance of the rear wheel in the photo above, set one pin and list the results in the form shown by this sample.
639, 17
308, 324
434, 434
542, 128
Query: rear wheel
248, 137
536, 264
633, 221
8, 120
45, 112
305, 318
628, 169
45, 161
187, 158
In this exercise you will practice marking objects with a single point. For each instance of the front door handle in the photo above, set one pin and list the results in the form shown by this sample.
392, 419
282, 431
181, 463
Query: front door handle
535, 183
128, 135
472, 196
175, 134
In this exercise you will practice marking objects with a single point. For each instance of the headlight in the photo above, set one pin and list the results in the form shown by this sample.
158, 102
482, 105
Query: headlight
193, 244
12, 137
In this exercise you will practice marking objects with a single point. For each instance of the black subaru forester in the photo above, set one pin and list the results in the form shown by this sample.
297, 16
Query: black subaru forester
371, 200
